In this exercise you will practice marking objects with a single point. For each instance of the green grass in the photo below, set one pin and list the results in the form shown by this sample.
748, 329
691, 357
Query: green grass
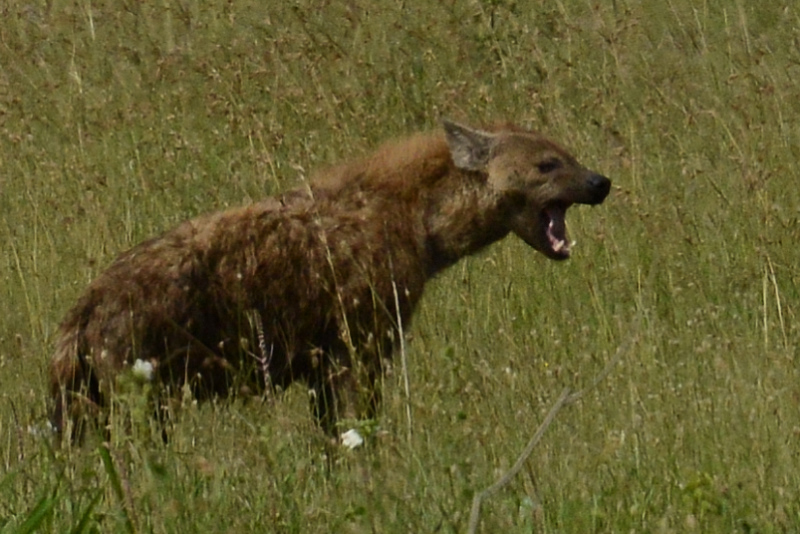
119, 119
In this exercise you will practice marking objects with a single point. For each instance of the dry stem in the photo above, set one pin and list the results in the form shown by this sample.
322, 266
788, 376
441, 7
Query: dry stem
565, 399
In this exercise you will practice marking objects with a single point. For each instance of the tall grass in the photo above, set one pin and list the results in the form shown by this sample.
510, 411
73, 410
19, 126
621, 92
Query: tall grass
119, 119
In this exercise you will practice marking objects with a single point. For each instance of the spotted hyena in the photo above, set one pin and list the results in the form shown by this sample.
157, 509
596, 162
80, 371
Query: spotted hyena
313, 284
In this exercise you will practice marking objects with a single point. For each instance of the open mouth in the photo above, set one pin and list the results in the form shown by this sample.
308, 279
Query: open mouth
556, 242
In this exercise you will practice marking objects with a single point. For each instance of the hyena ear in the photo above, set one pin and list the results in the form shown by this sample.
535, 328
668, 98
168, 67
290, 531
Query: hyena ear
469, 148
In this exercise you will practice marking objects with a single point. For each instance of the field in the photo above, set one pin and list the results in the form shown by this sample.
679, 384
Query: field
120, 119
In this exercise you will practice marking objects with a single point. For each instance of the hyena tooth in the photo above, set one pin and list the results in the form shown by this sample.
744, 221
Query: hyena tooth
559, 245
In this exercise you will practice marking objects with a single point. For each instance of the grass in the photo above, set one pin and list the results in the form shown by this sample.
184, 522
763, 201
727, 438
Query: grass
119, 119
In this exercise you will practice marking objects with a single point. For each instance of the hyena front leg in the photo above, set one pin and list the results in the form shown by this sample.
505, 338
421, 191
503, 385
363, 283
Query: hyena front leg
335, 397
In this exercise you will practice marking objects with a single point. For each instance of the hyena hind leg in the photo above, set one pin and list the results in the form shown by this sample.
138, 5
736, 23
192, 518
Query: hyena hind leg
78, 413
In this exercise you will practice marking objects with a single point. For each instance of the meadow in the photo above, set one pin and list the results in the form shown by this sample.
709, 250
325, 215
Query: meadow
120, 119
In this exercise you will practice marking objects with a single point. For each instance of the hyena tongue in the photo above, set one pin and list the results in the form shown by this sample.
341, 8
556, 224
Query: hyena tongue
557, 229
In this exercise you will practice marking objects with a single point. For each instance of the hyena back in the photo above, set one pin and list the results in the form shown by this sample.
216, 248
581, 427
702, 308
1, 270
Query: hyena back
311, 285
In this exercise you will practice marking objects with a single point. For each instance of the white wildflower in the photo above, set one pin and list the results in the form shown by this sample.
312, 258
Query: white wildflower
143, 370
352, 439
44, 429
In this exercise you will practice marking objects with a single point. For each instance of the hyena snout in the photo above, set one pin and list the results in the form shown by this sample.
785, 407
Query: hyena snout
594, 190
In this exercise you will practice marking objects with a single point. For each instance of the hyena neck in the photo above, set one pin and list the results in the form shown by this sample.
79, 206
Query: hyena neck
417, 178
461, 218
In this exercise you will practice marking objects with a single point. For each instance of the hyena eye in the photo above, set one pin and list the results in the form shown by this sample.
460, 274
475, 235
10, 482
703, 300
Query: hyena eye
548, 165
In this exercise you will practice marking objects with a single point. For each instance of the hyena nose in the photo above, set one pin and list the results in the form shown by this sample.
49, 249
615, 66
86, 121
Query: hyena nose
598, 187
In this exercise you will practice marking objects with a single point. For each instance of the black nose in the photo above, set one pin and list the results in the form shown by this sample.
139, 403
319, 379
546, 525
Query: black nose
599, 187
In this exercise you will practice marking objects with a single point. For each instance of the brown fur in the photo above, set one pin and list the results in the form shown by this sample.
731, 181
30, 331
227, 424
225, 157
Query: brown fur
315, 271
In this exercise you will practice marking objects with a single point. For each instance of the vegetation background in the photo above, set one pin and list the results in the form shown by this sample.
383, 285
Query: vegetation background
120, 119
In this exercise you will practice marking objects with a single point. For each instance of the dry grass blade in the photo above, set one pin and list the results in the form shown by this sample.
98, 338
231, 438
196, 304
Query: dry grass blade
565, 399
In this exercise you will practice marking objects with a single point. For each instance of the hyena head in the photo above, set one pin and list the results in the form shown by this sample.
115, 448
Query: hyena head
535, 178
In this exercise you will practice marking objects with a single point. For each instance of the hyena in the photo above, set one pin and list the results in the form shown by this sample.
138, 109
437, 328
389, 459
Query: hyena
312, 285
